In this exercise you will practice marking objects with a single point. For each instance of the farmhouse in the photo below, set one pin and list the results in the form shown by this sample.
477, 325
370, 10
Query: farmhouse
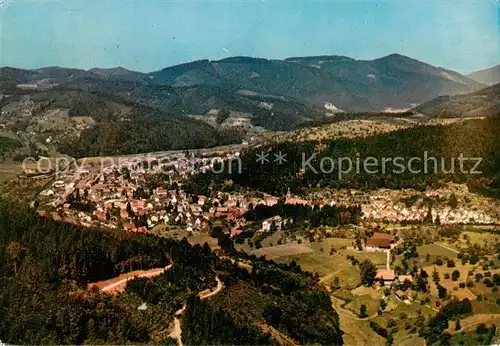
403, 295
380, 241
386, 275
403, 278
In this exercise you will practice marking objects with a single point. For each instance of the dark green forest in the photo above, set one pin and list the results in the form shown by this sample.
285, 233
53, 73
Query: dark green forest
327, 215
44, 297
147, 130
472, 139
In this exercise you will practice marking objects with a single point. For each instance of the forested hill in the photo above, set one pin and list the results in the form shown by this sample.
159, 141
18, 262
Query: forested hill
485, 102
45, 267
472, 139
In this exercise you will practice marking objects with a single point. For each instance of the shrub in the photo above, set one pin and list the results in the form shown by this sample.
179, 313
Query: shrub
482, 329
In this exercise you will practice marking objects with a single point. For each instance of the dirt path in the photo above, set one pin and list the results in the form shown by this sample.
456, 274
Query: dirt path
176, 332
471, 322
446, 247
356, 329
327, 277
117, 284
208, 293
281, 339
337, 304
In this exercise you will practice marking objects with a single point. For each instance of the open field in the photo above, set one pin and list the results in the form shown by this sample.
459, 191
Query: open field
479, 237
272, 240
405, 317
372, 305
329, 243
328, 267
451, 286
379, 258
356, 331
319, 258
9, 171
435, 251
179, 233
470, 323
487, 305
291, 249
343, 129
202, 238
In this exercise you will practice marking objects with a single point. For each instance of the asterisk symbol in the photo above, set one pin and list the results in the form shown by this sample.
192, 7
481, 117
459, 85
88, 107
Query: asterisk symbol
280, 158
262, 157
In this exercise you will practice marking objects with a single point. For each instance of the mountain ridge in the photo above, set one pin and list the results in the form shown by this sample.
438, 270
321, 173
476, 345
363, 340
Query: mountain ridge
488, 76
352, 85
127, 108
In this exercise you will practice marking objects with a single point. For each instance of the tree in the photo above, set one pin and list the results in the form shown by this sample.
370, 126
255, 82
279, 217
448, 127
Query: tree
441, 292
130, 212
453, 201
435, 277
359, 243
383, 304
362, 311
336, 282
437, 221
222, 116
368, 272
422, 283
455, 275
15, 252
482, 329
389, 340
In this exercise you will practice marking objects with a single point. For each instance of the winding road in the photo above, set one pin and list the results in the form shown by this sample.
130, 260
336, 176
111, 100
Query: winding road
176, 332
117, 284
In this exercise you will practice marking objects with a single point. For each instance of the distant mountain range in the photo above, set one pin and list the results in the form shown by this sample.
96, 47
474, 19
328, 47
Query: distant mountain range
487, 76
351, 85
205, 99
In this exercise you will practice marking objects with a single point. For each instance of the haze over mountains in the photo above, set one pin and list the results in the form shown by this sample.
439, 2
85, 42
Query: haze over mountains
487, 76
205, 103
483, 102
351, 85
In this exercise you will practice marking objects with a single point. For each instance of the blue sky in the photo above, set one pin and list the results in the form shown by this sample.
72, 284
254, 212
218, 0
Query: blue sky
147, 36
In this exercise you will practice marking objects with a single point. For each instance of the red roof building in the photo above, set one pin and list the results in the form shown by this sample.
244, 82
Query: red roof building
100, 214
235, 232
140, 230
385, 274
379, 242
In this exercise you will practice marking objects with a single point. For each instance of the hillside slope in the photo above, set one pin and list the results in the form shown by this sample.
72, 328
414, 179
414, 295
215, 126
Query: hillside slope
353, 85
309, 163
83, 122
487, 76
484, 102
